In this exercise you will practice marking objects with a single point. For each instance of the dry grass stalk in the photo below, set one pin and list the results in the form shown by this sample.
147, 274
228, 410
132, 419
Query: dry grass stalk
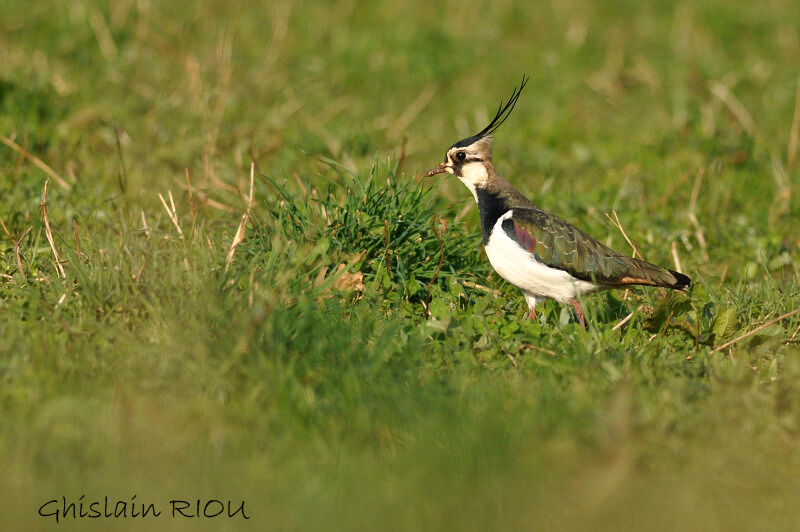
666, 324
217, 205
636, 253
698, 180
624, 320
745, 119
792, 149
300, 184
332, 143
793, 335
618, 225
5, 229
16, 243
239, 236
783, 194
191, 202
470, 284
463, 212
173, 215
36, 161
402, 158
323, 210
675, 257
224, 73
439, 236
537, 348
48, 233
698, 233
320, 276
203, 197
760, 327
244, 340
172, 203
144, 226
138, 275
742, 115
105, 41
412, 111
698, 229
280, 29
386, 247
665, 198
222, 184
77, 238
724, 274
253, 287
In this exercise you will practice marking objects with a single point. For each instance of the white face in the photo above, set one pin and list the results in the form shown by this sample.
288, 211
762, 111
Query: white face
469, 165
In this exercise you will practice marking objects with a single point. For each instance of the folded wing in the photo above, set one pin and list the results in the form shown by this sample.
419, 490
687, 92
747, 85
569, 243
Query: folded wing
557, 244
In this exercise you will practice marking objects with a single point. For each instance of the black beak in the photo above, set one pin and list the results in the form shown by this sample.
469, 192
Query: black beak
437, 170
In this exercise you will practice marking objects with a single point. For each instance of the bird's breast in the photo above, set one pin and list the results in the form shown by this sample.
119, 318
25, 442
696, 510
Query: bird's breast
519, 267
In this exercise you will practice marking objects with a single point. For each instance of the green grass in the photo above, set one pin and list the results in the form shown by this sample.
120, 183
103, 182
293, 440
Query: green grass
424, 399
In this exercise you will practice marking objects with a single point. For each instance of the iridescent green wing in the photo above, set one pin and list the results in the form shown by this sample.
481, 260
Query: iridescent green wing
557, 244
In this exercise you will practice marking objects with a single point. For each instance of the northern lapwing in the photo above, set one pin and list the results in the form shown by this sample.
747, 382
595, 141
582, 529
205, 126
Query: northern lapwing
536, 251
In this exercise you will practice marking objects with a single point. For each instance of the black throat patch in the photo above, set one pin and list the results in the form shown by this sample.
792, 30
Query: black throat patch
491, 207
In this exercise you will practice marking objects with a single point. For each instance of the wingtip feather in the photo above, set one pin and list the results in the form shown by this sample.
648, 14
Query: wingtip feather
683, 282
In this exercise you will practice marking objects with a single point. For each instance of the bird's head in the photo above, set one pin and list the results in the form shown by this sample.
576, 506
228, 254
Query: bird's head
470, 159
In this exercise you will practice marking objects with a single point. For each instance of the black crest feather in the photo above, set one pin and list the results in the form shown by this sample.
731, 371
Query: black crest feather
503, 111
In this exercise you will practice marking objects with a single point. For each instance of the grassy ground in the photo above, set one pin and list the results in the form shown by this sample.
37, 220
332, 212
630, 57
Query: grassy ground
390, 392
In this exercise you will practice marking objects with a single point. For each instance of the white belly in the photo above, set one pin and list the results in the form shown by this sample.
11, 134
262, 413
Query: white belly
517, 266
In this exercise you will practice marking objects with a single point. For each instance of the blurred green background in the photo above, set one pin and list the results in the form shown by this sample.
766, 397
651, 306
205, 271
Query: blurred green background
423, 399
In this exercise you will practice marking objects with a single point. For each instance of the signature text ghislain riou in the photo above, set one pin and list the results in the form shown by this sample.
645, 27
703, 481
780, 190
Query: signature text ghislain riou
104, 508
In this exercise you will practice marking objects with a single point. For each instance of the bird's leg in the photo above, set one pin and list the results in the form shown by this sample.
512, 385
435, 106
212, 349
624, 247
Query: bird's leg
531, 300
579, 310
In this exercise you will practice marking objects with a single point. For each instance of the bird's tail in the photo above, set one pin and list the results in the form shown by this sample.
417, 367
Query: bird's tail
682, 282
644, 273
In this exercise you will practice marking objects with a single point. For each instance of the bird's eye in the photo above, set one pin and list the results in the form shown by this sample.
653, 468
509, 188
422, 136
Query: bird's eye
460, 156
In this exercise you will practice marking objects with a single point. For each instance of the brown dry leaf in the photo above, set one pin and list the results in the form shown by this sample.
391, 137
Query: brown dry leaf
348, 281
342, 280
